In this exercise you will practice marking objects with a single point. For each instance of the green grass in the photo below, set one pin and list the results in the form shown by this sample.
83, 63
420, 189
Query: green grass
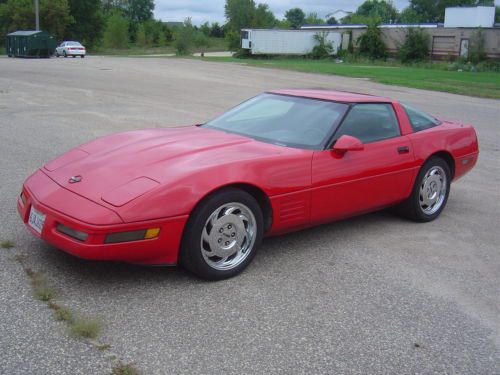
85, 328
7, 244
481, 84
125, 369
215, 45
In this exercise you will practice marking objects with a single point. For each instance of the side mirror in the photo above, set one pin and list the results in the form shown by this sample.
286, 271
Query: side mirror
347, 143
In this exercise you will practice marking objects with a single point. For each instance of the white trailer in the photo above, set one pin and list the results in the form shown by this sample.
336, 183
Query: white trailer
285, 42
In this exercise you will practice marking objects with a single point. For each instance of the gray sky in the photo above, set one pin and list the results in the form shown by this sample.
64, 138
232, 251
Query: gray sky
213, 10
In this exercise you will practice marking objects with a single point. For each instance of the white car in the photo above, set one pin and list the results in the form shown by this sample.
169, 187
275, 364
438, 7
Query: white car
70, 49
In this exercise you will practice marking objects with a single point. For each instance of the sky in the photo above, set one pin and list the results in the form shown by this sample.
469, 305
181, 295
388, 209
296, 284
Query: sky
201, 11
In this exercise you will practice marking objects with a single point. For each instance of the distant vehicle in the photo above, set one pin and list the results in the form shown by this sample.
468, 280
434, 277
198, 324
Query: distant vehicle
70, 49
285, 42
204, 196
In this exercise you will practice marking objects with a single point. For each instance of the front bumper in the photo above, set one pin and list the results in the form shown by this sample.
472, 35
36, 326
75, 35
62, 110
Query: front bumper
54, 201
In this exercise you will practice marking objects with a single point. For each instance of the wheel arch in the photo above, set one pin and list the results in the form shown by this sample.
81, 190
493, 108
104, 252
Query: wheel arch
448, 158
257, 193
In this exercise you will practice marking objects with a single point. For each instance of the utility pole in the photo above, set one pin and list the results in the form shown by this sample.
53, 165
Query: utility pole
37, 19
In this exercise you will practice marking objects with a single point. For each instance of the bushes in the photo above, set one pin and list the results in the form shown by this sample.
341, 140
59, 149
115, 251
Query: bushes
371, 43
324, 48
415, 46
476, 47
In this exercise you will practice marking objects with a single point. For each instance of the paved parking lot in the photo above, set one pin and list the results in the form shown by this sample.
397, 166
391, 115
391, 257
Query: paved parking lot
375, 294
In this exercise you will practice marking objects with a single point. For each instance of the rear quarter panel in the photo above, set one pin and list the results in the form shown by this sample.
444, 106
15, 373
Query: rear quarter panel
459, 140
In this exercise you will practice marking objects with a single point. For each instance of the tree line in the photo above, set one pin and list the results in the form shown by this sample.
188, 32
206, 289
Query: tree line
116, 23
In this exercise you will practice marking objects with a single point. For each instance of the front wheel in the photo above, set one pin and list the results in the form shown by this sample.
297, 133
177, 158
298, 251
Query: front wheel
430, 192
222, 235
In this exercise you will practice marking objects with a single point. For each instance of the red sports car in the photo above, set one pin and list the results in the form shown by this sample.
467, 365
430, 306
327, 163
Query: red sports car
204, 196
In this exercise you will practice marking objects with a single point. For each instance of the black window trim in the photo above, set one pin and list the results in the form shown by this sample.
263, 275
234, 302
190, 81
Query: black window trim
332, 140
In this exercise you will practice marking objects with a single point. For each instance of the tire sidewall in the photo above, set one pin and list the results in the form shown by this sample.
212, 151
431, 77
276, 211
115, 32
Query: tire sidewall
432, 162
190, 255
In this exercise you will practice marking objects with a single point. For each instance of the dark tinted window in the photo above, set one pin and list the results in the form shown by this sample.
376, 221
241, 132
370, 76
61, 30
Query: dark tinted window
420, 120
370, 122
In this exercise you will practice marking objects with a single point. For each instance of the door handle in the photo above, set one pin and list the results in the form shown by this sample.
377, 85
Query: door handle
403, 149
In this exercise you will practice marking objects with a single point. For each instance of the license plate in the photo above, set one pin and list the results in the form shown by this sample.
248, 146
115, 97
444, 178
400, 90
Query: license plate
36, 220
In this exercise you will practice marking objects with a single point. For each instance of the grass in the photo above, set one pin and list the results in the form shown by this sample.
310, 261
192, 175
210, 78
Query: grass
435, 77
7, 244
41, 289
215, 45
82, 327
125, 369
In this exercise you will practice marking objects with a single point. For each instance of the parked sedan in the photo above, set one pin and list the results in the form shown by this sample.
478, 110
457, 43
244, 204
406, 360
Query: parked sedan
70, 49
204, 196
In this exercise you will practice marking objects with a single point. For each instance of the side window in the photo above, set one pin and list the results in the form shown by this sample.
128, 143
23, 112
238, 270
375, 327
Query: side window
370, 122
419, 120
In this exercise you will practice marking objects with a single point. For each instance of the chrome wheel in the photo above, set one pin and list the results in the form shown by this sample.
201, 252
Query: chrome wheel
433, 190
228, 236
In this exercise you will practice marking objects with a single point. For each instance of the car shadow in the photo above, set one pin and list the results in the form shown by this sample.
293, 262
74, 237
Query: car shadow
273, 253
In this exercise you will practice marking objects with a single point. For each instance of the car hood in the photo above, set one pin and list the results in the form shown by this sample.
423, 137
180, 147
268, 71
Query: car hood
117, 169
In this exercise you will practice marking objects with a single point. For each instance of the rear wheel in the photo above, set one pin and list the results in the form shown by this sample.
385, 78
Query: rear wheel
430, 192
65, 54
222, 235
82, 56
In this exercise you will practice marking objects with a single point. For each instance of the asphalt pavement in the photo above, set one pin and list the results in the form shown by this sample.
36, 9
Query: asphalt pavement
371, 295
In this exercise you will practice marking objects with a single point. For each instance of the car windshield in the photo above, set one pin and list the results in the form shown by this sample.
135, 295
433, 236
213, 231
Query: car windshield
283, 120
74, 44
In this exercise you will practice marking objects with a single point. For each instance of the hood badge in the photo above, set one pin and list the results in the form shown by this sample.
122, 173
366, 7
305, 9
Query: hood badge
75, 179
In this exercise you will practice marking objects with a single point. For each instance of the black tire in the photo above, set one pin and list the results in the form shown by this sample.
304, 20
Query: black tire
191, 253
65, 54
82, 56
74, 56
412, 207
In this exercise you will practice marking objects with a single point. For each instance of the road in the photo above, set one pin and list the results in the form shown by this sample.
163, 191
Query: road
375, 294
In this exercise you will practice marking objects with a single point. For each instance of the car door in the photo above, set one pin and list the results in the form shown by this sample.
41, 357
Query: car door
356, 182
60, 49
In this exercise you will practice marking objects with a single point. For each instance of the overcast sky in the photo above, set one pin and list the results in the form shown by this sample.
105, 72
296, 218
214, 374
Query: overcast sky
213, 10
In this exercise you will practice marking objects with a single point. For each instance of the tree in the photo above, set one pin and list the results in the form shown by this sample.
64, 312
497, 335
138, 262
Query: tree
184, 37
89, 21
205, 29
409, 15
141, 38
324, 48
332, 21
477, 46
415, 46
55, 17
433, 10
263, 17
314, 19
216, 31
371, 43
139, 10
296, 17
240, 14
116, 32
381, 9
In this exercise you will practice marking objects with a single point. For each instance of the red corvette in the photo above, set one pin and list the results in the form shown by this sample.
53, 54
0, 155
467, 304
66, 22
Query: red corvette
205, 195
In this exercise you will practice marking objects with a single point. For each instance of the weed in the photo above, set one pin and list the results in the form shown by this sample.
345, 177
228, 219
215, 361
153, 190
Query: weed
103, 347
61, 313
7, 244
125, 369
85, 328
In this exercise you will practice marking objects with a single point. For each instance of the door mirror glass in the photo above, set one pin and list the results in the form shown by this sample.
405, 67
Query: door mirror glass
348, 143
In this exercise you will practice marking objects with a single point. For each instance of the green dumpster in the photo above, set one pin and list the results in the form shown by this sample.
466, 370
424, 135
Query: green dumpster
30, 43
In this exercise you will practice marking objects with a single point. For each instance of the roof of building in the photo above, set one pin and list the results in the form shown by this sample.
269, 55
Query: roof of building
337, 96
25, 32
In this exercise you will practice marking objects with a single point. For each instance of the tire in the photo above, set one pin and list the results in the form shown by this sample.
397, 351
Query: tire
222, 235
430, 192
57, 55
65, 54
74, 56
82, 56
